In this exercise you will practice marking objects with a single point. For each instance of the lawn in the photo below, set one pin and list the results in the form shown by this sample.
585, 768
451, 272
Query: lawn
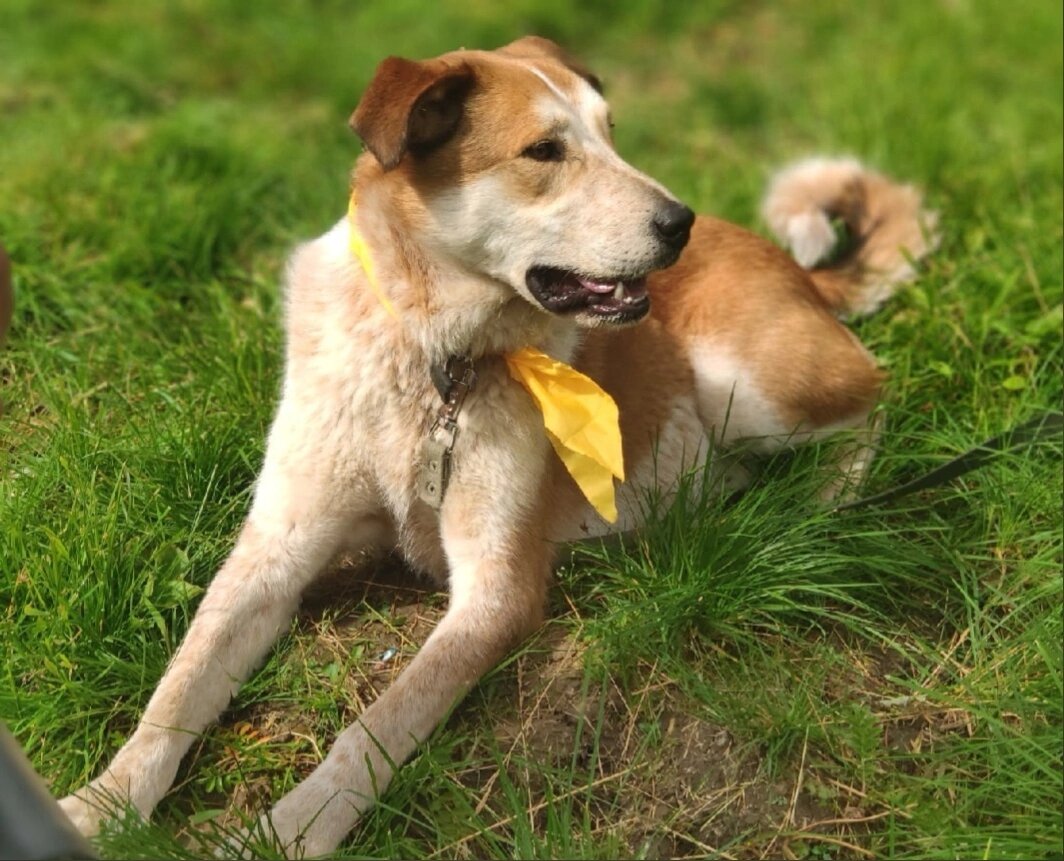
753, 679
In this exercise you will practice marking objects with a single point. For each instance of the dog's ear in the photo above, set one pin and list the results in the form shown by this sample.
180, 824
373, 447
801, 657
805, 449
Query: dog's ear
411, 107
534, 47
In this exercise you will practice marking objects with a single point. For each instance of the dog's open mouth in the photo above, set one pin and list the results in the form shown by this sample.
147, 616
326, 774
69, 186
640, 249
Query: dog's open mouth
616, 299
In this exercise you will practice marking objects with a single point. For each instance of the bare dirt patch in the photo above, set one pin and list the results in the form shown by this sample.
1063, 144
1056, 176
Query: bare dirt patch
654, 774
666, 781
645, 765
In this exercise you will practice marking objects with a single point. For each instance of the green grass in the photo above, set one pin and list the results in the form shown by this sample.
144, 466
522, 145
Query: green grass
753, 680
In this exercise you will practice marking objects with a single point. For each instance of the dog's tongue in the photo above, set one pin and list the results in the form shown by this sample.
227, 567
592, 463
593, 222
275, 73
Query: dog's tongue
596, 286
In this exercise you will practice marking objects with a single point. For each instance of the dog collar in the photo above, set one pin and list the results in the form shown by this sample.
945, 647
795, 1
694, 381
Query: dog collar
580, 418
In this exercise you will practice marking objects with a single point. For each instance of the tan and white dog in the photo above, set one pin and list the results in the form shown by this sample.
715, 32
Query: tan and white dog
498, 216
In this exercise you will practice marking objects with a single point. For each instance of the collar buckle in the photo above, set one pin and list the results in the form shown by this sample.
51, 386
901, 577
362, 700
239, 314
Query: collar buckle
454, 381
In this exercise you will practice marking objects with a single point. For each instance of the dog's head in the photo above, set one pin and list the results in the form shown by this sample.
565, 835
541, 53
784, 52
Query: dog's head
510, 158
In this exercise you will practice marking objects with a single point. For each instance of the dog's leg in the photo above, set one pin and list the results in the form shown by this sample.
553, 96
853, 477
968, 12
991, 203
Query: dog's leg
293, 530
851, 461
499, 575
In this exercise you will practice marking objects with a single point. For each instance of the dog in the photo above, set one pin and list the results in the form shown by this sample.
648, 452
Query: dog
492, 215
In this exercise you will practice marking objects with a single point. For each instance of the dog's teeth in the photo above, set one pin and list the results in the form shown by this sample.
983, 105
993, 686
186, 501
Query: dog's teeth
618, 291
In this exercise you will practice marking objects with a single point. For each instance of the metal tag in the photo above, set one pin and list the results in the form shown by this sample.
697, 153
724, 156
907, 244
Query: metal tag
435, 471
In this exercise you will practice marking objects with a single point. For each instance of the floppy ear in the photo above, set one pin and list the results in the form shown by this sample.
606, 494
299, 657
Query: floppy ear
411, 107
536, 47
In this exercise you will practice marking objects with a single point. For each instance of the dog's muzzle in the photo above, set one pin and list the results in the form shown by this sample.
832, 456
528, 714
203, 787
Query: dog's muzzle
621, 299
618, 298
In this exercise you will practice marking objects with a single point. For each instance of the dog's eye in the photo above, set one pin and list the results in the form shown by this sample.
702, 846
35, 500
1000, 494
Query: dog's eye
545, 150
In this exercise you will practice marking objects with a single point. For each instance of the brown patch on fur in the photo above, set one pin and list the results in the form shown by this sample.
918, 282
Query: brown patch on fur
538, 48
480, 134
646, 371
411, 106
835, 285
486, 138
737, 290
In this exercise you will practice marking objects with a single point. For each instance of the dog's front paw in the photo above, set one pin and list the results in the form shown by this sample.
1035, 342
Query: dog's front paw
84, 812
309, 821
92, 805
275, 834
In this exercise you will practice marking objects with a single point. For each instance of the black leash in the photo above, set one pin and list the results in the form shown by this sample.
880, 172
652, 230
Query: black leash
1040, 427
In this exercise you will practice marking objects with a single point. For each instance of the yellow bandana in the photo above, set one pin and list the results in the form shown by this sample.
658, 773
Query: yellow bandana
580, 418
581, 422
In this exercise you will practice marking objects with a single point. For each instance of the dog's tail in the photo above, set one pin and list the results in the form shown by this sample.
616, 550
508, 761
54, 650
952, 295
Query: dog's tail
858, 232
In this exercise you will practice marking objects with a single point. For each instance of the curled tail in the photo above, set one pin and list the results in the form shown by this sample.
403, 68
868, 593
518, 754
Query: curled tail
885, 229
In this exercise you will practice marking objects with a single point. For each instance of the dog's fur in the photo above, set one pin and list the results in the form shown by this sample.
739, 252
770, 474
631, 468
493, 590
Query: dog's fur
481, 168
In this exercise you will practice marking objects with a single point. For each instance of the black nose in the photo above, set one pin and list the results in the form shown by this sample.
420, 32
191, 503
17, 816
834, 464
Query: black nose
673, 223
